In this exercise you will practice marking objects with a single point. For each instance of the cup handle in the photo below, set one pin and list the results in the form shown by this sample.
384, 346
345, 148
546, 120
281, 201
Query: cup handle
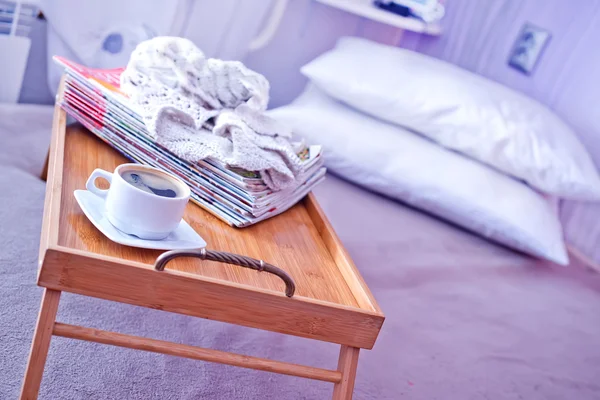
91, 182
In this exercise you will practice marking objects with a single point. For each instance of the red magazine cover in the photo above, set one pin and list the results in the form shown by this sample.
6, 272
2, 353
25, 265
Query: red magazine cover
109, 78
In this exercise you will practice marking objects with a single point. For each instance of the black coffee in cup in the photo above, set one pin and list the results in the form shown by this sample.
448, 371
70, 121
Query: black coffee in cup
151, 182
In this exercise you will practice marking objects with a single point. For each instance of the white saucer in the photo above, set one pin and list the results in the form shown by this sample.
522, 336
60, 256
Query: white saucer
184, 237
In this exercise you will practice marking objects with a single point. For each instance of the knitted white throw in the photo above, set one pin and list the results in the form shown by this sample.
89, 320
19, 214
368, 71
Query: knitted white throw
180, 93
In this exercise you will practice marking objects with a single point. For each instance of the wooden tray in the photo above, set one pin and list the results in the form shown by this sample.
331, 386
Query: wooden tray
332, 302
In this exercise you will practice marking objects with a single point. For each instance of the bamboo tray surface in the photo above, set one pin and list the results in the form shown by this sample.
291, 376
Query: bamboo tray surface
300, 241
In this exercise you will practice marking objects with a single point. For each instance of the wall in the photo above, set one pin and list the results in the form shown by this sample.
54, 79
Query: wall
478, 36
76, 29
308, 29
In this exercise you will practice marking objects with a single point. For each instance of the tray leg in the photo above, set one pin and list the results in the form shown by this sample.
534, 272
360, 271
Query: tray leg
347, 364
40, 345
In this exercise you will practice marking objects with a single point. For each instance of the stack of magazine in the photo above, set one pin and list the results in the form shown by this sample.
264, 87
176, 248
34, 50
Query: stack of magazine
238, 197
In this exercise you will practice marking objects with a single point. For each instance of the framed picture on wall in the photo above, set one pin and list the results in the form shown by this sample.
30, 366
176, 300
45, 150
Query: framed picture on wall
528, 48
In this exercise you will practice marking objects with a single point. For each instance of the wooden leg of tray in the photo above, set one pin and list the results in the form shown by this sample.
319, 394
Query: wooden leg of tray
40, 345
347, 364
44, 174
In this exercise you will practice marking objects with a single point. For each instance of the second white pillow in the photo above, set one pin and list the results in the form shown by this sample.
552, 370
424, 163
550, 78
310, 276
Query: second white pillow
461, 111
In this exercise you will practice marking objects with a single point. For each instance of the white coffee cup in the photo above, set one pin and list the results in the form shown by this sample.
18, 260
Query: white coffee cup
136, 211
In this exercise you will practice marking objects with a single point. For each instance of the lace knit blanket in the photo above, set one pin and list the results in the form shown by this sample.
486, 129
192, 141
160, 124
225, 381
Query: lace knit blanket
199, 108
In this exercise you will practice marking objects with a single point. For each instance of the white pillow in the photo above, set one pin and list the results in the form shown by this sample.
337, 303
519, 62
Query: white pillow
460, 110
405, 166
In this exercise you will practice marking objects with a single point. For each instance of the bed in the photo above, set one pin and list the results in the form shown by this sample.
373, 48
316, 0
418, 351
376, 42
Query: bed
465, 318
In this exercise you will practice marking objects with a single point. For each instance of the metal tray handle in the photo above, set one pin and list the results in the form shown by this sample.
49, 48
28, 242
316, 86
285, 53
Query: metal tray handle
228, 258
